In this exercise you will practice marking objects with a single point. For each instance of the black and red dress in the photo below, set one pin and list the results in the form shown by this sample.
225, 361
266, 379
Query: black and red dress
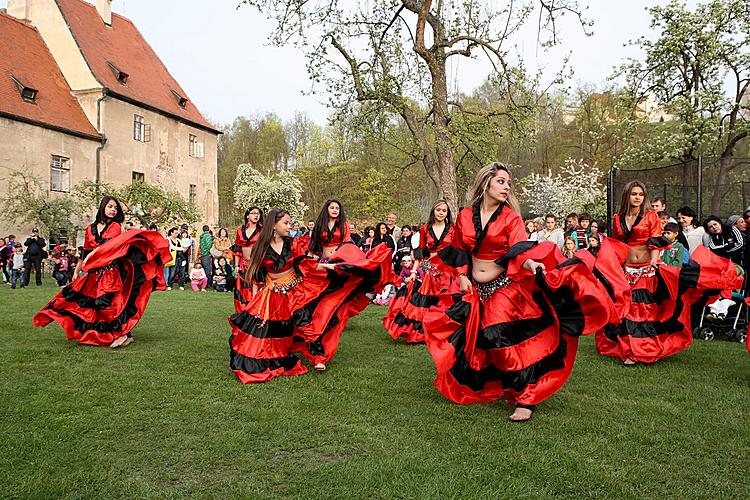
299, 312
515, 337
109, 300
411, 302
364, 273
243, 239
331, 238
656, 321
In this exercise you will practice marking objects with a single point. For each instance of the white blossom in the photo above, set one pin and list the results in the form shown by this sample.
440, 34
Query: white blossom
276, 190
577, 187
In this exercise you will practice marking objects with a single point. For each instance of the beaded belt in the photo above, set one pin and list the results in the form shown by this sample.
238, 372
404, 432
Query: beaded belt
101, 270
634, 274
429, 268
485, 290
284, 283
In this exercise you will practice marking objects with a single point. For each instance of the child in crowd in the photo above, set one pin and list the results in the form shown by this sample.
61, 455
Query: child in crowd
569, 247
19, 265
220, 275
674, 256
198, 278
407, 268
60, 267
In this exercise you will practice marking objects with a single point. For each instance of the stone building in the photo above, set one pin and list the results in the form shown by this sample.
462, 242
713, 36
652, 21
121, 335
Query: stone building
84, 96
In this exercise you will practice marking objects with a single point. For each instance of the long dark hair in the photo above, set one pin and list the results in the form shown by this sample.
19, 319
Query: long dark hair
625, 199
260, 248
431, 218
689, 212
226, 233
101, 217
321, 225
247, 212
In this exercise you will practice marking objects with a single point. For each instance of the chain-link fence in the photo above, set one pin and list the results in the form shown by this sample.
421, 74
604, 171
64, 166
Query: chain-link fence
710, 186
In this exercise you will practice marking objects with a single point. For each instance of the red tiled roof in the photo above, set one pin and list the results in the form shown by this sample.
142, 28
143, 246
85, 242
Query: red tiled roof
122, 45
24, 55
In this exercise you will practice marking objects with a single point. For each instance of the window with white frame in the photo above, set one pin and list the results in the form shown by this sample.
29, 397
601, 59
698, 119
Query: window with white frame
196, 148
139, 127
192, 194
60, 174
138, 176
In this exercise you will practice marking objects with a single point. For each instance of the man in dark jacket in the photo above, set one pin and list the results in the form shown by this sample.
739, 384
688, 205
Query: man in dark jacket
34, 254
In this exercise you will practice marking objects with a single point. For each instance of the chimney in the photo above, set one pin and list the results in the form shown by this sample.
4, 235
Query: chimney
19, 9
104, 8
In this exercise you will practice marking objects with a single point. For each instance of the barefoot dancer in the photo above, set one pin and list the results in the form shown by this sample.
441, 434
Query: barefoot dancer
121, 269
657, 319
506, 329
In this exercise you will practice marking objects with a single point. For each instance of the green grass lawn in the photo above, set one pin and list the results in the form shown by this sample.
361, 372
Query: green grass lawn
166, 417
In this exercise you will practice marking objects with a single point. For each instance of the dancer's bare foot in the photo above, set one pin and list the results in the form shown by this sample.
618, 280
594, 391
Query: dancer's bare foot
521, 415
629, 362
119, 341
320, 367
129, 341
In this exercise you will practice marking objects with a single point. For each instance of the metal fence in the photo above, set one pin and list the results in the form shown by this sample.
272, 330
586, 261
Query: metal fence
710, 186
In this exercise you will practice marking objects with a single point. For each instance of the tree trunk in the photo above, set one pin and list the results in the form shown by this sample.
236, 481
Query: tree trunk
446, 162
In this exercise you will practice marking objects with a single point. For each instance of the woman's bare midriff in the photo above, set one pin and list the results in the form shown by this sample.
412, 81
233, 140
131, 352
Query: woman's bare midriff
328, 252
246, 253
275, 276
639, 255
484, 271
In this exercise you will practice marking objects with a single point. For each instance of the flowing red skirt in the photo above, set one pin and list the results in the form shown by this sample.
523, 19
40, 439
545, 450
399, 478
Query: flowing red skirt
521, 342
365, 273
109, 300
411, 303
657, 323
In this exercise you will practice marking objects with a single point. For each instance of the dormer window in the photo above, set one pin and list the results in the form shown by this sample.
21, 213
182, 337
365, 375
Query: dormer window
121, 76
182, 101
28, 94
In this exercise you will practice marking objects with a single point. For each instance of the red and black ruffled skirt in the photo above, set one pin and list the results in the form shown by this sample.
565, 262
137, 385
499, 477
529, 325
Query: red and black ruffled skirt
520, 342
657, 322
363, 273
243, 290
411, 303
109, 300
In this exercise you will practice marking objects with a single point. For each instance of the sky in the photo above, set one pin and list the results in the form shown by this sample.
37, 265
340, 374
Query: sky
222, 57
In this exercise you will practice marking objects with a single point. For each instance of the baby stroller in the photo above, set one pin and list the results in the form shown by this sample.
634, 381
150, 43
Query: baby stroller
733, 324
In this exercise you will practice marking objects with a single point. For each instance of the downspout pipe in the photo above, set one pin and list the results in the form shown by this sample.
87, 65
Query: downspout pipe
97, 175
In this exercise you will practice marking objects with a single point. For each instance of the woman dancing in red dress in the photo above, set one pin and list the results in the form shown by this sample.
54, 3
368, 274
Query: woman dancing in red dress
358, 275
506, 328
656, 323
411, 303
121, 269
247, 235
294, 300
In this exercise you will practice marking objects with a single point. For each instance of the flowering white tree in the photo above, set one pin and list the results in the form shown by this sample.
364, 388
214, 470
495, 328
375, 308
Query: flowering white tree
578, 187
281, 189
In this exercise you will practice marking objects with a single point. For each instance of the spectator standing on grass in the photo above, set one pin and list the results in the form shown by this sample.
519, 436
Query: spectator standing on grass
35, 253
183, 258
17, 266
403, 248
393, 230
551, 232
207, 261
693, 233
170, 268
6, 252
222, 243
356, 237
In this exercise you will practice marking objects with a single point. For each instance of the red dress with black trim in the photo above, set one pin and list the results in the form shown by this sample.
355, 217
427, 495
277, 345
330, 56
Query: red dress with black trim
517, 338
412, 301
109, 300
365, 273
242, 289
657, 301
332, 238
299, 312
